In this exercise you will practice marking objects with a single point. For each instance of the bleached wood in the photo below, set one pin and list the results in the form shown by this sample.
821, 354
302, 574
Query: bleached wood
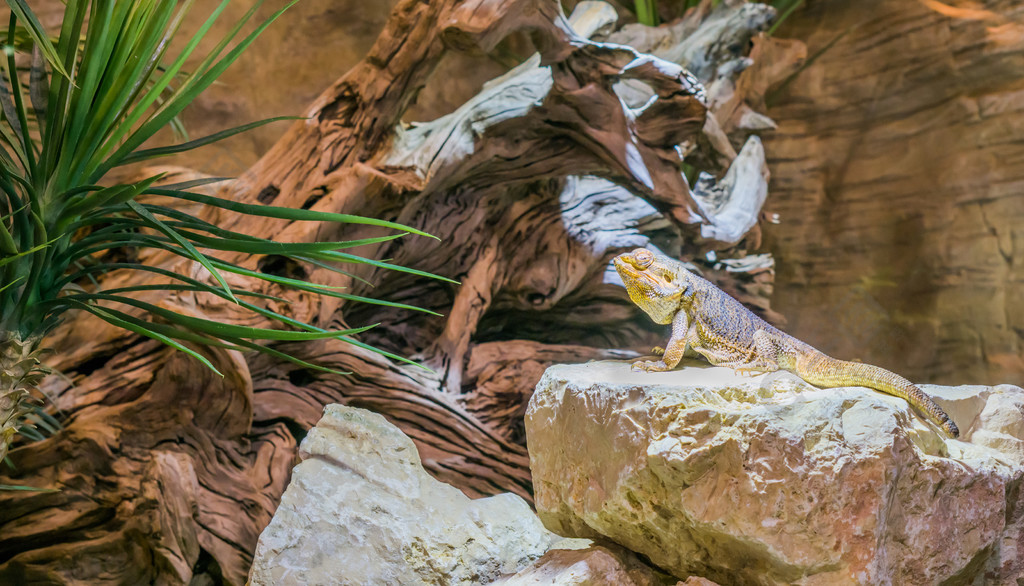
168, 473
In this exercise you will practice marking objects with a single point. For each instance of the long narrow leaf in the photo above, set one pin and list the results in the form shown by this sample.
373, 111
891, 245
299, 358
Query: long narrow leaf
237, 344
198, 256
105, 20
98, 198
31, 433
284, 213
123, 87
365, 346
196, 288
195, 183
199, 285
220, 239
290, 358
26, 488
146, 154
237, 242
45, 424
646, 12
12, 283
318, 289
207, 289
143, 105
7, 102
7, 244
58, 101
14, 104
7, 135
186, 95
171, 331
332, 268
115, 195
22, 113
85, 247
785, 13
38, 33
217, 329
346, 257
113, 319
9, 259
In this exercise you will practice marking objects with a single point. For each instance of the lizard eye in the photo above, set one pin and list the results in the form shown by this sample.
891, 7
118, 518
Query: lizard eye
643, 258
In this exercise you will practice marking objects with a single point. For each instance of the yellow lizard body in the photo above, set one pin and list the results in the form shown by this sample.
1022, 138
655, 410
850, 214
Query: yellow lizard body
718, 327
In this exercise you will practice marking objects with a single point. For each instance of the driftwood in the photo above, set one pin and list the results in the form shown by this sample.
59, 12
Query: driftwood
168, 473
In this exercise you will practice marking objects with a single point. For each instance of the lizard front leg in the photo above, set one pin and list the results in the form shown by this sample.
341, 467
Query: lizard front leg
674, 349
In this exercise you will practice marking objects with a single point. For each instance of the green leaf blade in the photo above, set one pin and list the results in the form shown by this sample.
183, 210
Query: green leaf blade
38, 33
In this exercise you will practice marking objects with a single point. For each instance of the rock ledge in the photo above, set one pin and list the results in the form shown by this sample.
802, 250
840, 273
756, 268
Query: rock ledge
767, 480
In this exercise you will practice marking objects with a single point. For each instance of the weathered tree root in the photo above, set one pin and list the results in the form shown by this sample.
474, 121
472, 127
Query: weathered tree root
168, 473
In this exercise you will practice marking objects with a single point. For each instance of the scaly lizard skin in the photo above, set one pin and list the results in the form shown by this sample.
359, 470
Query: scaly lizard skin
718, 327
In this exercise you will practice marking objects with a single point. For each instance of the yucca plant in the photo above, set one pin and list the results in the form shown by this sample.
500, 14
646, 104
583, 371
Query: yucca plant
74, 110
647, 10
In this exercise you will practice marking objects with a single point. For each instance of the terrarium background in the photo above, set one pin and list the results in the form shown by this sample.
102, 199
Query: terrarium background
896, 169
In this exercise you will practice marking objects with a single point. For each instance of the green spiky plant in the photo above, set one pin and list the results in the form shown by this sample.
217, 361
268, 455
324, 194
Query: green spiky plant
647, 10
86, 105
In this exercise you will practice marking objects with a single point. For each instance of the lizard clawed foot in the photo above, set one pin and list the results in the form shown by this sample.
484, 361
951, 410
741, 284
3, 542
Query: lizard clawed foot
651, 366
751, 372
658, 351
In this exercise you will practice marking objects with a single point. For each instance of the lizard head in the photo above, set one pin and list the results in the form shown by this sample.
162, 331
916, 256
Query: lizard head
653, 283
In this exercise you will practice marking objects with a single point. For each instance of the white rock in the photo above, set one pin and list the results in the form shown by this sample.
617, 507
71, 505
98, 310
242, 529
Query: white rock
768, 480
360, 509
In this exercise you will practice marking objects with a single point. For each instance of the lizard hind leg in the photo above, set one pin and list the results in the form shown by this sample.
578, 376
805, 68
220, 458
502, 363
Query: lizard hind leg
773, 351
748, 365
752, 368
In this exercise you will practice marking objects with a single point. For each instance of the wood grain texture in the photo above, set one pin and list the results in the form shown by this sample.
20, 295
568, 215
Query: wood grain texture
167, 473
897, 178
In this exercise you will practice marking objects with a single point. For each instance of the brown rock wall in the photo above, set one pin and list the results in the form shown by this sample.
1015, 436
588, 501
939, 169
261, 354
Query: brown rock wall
897, 175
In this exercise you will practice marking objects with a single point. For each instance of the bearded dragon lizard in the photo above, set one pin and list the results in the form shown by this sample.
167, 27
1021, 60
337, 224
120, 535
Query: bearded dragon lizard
718, 327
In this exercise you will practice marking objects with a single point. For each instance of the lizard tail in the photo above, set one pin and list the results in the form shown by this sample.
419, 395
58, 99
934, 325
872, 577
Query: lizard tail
824, 371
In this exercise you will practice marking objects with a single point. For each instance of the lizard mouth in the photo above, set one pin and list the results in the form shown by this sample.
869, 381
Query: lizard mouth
624, 266
627, 268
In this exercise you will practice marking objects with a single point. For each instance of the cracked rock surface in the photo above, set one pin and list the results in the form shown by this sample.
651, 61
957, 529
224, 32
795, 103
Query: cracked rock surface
360, 509
768, 480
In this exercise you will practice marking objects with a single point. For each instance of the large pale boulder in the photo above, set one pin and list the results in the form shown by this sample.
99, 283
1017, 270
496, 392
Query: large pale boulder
767, 480
360, 509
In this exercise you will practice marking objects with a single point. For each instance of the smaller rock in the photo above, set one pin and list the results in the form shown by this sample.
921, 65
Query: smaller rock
995, 416
360, 509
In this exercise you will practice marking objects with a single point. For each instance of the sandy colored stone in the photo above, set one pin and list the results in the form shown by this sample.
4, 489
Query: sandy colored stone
360, 509
767, 480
